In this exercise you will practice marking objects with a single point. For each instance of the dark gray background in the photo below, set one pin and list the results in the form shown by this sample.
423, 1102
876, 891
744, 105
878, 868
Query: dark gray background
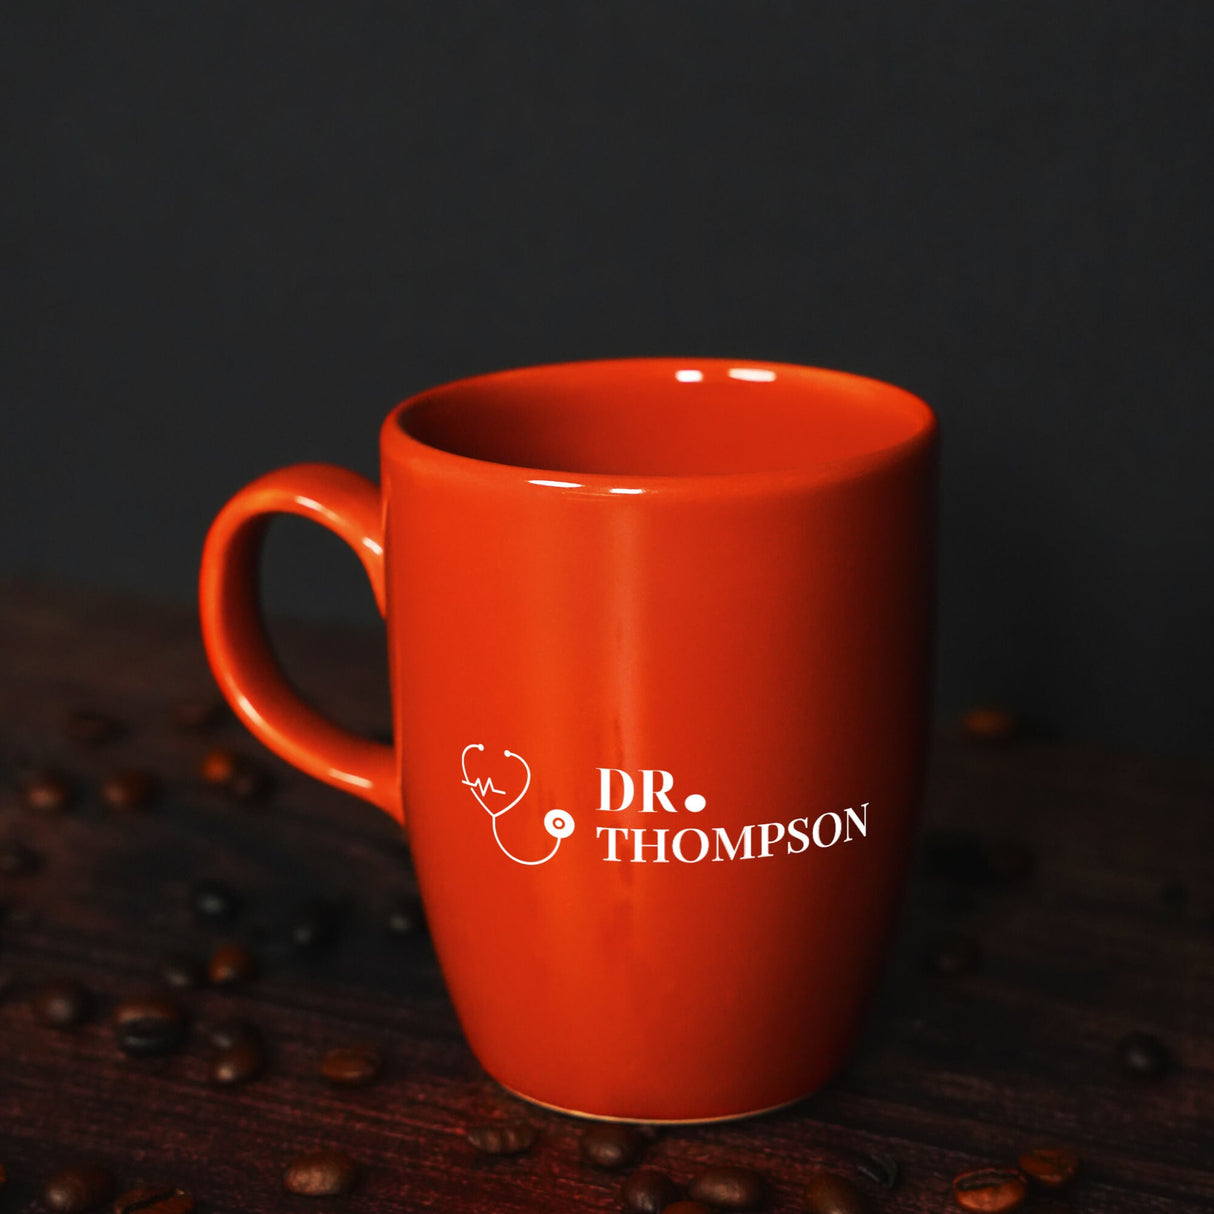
234, 235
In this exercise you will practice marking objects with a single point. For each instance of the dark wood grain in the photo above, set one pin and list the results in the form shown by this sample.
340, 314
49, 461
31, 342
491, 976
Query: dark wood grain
951, 1073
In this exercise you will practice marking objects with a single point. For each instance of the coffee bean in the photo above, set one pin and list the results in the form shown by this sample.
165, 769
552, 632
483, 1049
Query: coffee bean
238, 1064
228, 1034
148, 1025
1143, 1056
952, 955
503, 1137
320, 1174
17, 860
351, 1066
688, 1207
236, 775
405, 917
879, 1167
989, 1190
1050, 1166
649, 1191
155, 1199
61, 1004
218, 766
77, 1189
230, 964
215, 902
198, 715
91, 728
611, 1144
250, 783
181, 971
130, 789
729, 1188
989, 724
314, 923
47, 791
828, 1193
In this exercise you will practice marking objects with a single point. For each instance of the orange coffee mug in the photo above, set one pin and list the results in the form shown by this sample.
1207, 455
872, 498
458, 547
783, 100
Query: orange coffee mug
659, 637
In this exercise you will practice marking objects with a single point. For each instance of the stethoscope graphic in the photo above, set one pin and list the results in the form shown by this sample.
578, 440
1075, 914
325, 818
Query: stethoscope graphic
557, 822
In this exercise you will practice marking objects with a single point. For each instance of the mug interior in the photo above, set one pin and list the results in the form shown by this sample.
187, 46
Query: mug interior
665, 417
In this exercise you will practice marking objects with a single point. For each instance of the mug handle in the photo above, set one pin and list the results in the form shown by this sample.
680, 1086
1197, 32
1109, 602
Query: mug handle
232, 631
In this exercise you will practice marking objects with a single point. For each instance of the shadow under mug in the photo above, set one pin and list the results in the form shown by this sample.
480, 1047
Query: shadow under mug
659, 637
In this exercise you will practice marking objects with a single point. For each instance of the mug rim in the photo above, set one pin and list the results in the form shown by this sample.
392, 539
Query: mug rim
397, 442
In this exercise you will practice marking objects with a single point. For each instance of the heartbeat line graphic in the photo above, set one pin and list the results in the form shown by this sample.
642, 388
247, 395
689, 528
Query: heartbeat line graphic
484, 786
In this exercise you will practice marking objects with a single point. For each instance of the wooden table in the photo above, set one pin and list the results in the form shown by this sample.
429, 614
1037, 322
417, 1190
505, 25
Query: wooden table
952, 1072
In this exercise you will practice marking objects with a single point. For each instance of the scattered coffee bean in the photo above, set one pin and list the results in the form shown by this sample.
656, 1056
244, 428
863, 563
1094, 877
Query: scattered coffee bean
155, 1199
149, 1025
503, 1137
47, 791
405, 917
249, 782
238, 1064
91, 728
648, 1191
230, 964
729, 1188
320, 1174
989, 1190
75, 1190
952, 955
181, 971
828, 1193
611, 1144
61, 1004
351, 1066
198, 715
314, 923
989, 724
17, 860
130, 789
1050, 1166
880, 1168
228, 1034
1143, 1056
688, 1207
218, 766
215, 902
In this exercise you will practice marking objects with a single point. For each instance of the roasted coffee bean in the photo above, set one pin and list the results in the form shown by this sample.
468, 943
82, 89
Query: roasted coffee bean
1050, 1166
989, 724
611, 1144
47, 791
249, 782
648, 1191
728, 1188
75, 1190
17, 860
149, 1024
91, 728
828, 1193
351, 1066
228, 1034
688, 1207
230, 964
218, 766
314, 923
952, 955
155, 1199
61, 1004
880, 1168
1143, 1056
320, 1174
198, 715
181, 971
989, 1190
215, 902
405, 917
238, 1064
130, 789
503, 1137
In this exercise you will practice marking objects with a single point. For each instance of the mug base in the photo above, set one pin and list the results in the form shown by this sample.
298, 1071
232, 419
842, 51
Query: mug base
557, 1108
